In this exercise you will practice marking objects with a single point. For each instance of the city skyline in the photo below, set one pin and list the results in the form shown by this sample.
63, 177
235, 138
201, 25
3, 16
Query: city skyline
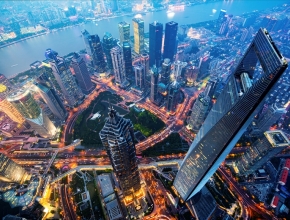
152, 110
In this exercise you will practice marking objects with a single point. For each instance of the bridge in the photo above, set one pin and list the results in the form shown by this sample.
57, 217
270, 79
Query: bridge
75, 143
152, 165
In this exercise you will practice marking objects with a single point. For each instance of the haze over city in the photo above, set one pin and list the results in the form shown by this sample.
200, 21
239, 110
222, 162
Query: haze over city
144, 109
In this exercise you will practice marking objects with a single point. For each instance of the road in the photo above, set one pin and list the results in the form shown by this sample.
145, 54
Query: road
246, 200
69, 213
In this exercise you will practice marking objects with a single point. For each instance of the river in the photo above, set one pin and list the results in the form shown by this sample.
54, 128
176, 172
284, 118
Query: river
17, 57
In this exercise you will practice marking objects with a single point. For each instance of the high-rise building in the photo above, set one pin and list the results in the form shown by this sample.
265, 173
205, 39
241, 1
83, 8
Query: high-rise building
82, 74
138, 27
139, 76
11, 171
27, 106
221, 19
118, 65
108, 44
267, 119
155, 43
165, 72
117, 137
94, 49
144, 60
8, 108
53, 101
127, 58
71, 92
173, 96
154, 84
222, 129
170, 40
199, 111
124, 31
203, 204
178, 67
266, 147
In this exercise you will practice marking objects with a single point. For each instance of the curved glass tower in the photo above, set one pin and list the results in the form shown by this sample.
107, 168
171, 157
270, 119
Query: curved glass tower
230, 116
117, 137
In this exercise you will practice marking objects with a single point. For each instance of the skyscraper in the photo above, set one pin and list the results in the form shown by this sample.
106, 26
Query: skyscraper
8, 108
117, 137
165, 72
71, 92
198, 112
124, 31
170, 40
139, 76
138, 27
178, 67
11, 171
53, 101
127, 58
266, 147
154, 84
108, 44
144, 60
221, 19
82, 74
118, 65
155, 43
220, 132
95, 50
173, 96
267, 119
27, 106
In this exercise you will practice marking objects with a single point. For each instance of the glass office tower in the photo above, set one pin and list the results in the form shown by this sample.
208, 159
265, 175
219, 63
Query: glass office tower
155, 43
223, 127
108, 44
117, 137
138, 27
124, 31
170, 40
95, 50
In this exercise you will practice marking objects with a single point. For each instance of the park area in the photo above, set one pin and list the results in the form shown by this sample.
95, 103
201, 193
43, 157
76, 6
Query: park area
88, 130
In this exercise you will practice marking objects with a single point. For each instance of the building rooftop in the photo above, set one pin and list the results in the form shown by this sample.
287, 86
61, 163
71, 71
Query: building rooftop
106, 184
287, 163
275, 201
114, 211
284, 176
277, 138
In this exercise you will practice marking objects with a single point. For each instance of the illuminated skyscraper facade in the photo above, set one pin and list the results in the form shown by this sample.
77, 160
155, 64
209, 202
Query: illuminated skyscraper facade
165, 72
108, 44
199, 111
139, 76
155, 43
173, 96
138, 27
27, 106
127, 58
117, 137
53, 101
69, 89
11, 171
95, 50
8, 108
118, 65
82, 74
154, 84
170, 40
220, 132
144, 60
262, 150
124, 31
